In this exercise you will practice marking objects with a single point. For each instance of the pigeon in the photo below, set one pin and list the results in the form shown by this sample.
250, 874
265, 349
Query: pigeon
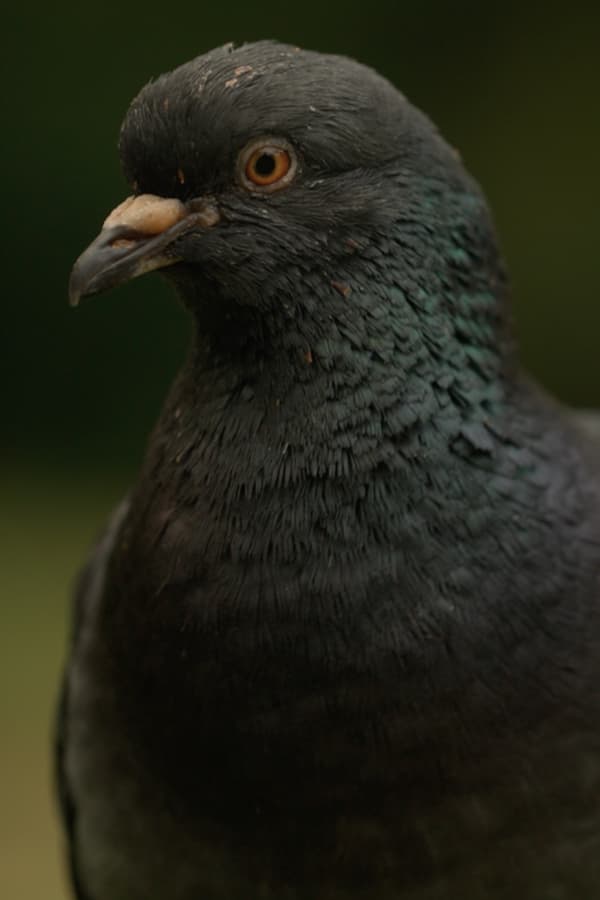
342, 638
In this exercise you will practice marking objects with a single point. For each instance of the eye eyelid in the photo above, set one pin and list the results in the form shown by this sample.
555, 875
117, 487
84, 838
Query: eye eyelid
266, 144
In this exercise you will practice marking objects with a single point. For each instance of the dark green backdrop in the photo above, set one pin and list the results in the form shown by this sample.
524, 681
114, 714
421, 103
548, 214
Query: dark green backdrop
515, 89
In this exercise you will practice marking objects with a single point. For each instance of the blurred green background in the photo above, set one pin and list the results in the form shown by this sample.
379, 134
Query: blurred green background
515, 87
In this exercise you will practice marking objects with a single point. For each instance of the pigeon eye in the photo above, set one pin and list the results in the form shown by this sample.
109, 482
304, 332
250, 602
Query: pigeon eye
267, 166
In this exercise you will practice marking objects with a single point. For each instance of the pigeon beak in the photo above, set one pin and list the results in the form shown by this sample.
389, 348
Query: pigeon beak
136, 238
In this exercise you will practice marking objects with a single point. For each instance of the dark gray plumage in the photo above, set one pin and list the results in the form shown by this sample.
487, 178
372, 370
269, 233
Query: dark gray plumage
342, 640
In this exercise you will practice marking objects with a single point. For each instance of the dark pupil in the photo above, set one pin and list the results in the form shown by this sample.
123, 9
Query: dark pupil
265, 165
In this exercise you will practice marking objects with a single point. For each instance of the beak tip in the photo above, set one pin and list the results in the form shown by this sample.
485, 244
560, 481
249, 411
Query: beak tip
83, 280
74, 296
75, 288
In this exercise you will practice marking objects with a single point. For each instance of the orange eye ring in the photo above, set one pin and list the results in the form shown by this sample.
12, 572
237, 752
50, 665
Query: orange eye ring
267, 166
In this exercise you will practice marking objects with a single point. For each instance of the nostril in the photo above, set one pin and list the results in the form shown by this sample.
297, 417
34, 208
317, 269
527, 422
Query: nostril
123, 243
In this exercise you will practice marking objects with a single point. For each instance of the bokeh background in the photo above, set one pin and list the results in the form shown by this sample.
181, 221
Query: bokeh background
514, 85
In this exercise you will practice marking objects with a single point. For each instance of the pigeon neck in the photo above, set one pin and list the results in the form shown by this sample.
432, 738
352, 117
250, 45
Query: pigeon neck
387, 352
263, 413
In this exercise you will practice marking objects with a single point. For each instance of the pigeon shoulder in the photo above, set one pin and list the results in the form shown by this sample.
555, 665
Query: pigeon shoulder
587, 422
86, 600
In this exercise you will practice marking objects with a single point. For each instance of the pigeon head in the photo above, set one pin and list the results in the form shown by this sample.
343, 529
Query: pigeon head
271, 183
